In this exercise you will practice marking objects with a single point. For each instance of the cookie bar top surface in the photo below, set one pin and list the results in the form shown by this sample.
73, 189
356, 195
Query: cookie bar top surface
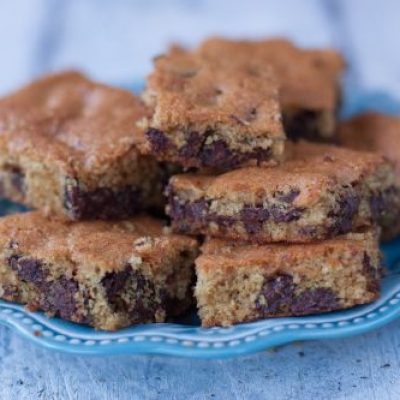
308, 78
372, 131
106, 245
310, 167
220, 253
186, 91
70, 120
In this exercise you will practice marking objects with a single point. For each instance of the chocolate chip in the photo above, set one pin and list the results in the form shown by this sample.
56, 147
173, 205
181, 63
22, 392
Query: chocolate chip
194, 141
114, 282
381, 202
188, 217
342, 219
28, 269
59, 297
253, 218
101, 203
287, 197
278, 296
283, 214
158, 140
313, 301
372, 275
258, 213
219, 155
130, 291
309, 231
56, 296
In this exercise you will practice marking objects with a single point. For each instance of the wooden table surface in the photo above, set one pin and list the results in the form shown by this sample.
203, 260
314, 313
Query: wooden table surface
114, 41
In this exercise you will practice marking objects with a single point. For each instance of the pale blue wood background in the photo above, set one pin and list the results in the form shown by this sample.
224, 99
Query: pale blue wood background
114, 41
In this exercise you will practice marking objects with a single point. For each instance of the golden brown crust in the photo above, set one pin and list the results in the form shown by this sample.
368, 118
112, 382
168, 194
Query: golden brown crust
225, 254
310, 167
308, 78
71, 121
375, 132
187, 91
106, 245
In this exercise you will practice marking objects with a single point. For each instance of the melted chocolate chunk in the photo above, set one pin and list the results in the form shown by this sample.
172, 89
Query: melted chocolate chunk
284, 214
28, 269
278, 296
195, 151
377, 204
194, 216
194, 143
343, 218
158, 140
383, 202
316, 300
309, 231
219, 155
114, 283
130, 291
188, 216
59, 297
101, 203
56, 296
253, 218
373, 275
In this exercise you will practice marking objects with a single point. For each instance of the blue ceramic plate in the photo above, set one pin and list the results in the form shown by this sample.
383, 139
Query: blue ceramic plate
186, 338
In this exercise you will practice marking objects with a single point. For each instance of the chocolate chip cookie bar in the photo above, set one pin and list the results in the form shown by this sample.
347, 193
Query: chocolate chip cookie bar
320, 191
309, 80
208, 116
243, 282
68, 146
101, 273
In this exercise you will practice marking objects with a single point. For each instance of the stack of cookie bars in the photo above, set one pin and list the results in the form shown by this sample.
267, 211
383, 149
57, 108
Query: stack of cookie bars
287, 226
290, 227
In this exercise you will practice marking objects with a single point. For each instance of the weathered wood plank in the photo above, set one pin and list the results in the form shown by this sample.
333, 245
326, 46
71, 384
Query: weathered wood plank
363, 367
